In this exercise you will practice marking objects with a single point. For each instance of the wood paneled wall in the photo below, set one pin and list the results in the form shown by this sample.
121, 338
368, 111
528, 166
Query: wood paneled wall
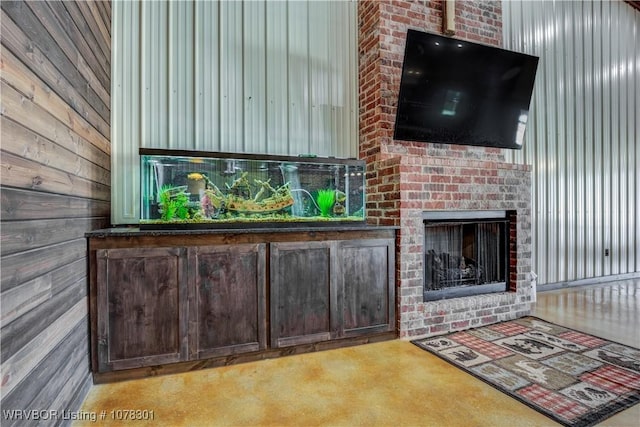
55, 186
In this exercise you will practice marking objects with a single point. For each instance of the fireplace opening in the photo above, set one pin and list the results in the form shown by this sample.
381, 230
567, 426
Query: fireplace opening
465, 253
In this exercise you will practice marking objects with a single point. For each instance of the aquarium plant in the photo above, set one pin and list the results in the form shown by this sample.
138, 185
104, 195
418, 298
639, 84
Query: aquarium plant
164, 203
325, 200
181, 202
173, 204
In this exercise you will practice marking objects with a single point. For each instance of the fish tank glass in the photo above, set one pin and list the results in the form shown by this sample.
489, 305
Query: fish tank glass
194, 189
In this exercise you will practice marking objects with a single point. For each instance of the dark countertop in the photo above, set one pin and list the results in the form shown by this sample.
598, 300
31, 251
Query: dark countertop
136, 231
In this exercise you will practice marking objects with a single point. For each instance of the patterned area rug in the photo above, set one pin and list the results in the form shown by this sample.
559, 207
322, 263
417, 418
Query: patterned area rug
572, 377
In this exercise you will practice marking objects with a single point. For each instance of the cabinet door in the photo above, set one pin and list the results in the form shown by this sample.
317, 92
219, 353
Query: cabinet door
366, 286
301, 295
227, 299
142, 307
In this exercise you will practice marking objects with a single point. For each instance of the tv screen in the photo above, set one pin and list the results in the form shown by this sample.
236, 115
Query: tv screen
459, 92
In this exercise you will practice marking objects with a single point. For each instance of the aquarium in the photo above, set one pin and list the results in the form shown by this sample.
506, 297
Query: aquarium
194, 189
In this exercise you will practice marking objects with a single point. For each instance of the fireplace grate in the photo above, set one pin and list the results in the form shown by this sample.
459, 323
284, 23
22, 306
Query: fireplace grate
445, 270
465, 254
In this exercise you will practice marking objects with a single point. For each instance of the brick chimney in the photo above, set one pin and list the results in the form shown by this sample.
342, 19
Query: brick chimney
405, 179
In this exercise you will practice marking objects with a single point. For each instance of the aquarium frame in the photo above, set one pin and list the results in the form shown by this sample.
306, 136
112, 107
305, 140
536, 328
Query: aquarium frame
306, 158
301, 158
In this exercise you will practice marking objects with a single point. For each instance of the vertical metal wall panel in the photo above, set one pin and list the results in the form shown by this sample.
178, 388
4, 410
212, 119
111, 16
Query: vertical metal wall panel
603, 132
181, 75
632, 120
154, 99
634, 124
620, 263
298, 72
125, 123
207, 76
582, 136
254, 137
273, 77
580, 175
590, 259
231, 76
319, 78
344, 80
277, 78
568, 72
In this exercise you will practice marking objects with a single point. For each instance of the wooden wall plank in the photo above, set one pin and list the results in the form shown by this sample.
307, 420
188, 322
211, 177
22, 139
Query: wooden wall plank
99, 64
105, 30
21, 106
71, 356
24, 19
23, 266
103, 39
70, 42
23, 173
43, 383
22, 142
81, 391
86, 30
16, 42
67, 288
17, 204
107, 8
102, 85
105, 16
24, 80
74, 373
19, 300
26, 235
55, 126
17, 367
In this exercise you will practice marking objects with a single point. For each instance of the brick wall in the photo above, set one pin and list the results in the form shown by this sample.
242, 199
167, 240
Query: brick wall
406, 178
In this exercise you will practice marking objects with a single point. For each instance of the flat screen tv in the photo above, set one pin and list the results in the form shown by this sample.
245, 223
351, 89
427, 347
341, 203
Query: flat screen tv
459, 92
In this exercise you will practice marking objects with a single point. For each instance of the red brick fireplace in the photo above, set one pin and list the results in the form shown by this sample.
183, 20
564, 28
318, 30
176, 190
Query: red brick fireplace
407, 179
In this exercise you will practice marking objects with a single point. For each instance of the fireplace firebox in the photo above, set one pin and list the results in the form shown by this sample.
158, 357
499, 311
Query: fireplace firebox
465, 253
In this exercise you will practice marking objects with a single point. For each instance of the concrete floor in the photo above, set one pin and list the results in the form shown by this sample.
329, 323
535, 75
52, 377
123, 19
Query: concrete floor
392, 383
608, 310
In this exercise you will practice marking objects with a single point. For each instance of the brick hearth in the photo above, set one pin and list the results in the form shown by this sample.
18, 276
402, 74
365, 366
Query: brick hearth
404, 179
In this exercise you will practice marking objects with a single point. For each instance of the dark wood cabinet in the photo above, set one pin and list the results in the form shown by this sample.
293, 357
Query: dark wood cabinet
332, 289
227, 301
366, 283
301, 293
142, 307
170, 302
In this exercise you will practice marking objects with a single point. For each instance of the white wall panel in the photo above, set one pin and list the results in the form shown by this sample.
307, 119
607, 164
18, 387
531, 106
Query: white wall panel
273, 77
278, 77
231, 76
207, 84
298, 72
154, 66
255, 50
583, 135
125, 120
180, 76
319, 78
